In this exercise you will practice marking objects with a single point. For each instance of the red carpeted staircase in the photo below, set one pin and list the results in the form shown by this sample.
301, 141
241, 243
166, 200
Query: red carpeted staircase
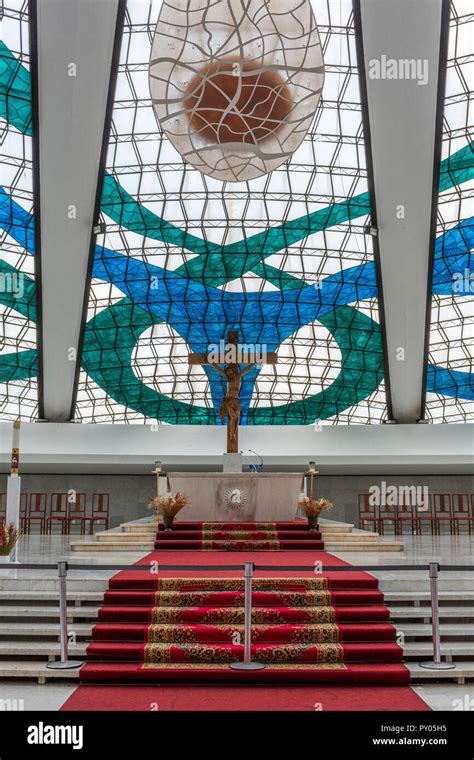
329, 628
213, 536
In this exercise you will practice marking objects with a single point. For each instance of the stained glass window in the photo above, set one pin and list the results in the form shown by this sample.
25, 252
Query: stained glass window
450, 379
282, 258
18, 355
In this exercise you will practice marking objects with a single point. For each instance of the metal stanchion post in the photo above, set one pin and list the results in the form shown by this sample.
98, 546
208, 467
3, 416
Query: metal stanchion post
436, 663
63, 663
247, 664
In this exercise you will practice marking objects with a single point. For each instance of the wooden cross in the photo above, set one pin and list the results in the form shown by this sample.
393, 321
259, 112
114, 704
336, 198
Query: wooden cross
232, 356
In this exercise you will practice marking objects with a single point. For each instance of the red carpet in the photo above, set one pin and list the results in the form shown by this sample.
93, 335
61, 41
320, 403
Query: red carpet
309, 558
324, 627
269, 536
239, 698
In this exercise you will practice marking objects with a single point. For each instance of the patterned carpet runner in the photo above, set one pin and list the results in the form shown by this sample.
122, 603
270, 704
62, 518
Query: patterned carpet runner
330, 628
214, 536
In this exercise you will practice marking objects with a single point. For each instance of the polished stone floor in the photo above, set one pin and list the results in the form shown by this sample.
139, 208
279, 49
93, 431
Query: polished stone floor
419, 550
48, 550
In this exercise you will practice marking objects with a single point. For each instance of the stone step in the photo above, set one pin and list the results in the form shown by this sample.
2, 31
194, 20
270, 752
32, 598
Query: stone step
112, 546
412, 650
445, 595
45, 649
116, 544
337, 527
398, 614
51, 596
51, 584
35, 670
51, 612
143, 527
136, 528
449, 650
38, 671
424, 613
463, 671
363, 546
424, 630
340, 531
79, 595
137, 536
83, 630
406, 582
47, 630
127, 540
131, 537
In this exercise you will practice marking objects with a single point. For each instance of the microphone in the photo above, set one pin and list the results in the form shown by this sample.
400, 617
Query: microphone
257, 467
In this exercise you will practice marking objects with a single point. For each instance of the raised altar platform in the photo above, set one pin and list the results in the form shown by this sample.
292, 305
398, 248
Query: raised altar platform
239, 497
140, 535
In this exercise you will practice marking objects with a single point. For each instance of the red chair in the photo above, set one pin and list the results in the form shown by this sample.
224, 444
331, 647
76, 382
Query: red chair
461, 511
58, 512
406, 513
388, 516
443, 511
77, 513
100, 510
426, 514
36, 512
368, 513
3, 508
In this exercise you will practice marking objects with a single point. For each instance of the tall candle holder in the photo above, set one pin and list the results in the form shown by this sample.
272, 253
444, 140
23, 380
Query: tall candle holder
312, 472
157, 472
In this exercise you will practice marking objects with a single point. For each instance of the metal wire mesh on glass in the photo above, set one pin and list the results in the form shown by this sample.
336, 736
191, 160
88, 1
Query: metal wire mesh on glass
18, 355
450, 379
282, 258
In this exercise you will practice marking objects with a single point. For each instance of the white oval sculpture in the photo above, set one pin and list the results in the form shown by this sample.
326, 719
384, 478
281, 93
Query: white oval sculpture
235, 83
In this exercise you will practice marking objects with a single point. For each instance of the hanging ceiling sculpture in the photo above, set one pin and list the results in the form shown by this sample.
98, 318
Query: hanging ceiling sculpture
18, 354
282, 258
235, 85
450, 372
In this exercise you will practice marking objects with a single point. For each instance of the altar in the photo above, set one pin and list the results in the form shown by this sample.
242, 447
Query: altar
238, 497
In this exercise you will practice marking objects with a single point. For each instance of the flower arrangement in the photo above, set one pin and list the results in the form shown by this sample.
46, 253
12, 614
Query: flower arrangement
313, 507
168, 505
9, 535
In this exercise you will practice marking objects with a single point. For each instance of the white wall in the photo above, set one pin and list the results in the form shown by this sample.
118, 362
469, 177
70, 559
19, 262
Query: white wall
63, 447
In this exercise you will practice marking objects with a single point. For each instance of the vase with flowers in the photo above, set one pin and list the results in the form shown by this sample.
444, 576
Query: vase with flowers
167, 507
313, 508
9, 535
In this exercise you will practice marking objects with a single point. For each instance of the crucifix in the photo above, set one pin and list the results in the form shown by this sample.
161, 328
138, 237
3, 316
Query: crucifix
232, 356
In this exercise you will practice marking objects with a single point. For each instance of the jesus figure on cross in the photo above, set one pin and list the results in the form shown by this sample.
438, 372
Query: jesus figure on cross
230, 406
